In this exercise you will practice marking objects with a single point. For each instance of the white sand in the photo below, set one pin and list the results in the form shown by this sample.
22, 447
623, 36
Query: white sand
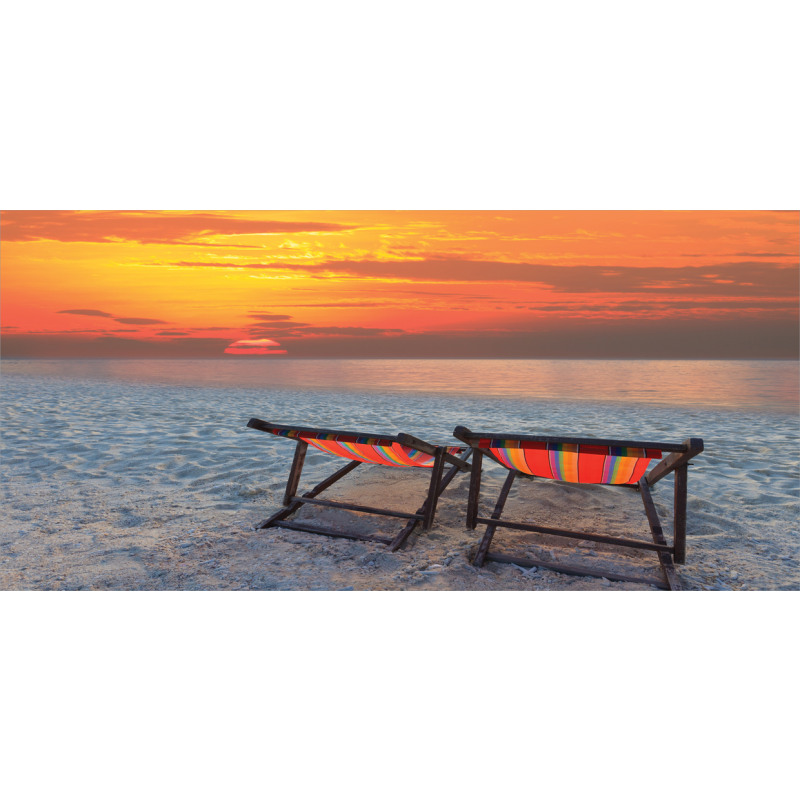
132, 486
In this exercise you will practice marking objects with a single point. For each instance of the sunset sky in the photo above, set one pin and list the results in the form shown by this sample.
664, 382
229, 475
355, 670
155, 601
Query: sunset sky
551, 284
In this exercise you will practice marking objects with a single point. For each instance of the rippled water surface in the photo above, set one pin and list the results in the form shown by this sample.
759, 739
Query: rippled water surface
752, 385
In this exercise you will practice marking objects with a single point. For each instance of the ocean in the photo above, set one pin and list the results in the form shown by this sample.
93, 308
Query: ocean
767, 386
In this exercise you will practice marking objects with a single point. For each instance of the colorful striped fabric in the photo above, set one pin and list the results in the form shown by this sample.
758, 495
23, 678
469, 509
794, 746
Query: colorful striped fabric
370, 450
574, 463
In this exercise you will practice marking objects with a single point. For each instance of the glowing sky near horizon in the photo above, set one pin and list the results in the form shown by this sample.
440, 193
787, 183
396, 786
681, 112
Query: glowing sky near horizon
457, 283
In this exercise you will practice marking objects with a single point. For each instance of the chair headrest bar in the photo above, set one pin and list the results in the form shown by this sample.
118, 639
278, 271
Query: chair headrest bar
466, 435
261, 425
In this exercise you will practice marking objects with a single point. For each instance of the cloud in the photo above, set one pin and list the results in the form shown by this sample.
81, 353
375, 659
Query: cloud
764, 255
91, 312
86, 312
279, 324
575, 338
284, 326
139, 321
306, 331
550, 338
750, 278
146, 227
359, 303
108, 346
213, 328
223, 264
334, 330
746, 278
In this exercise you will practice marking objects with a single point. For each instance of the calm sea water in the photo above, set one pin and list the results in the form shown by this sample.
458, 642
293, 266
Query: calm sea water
770, 386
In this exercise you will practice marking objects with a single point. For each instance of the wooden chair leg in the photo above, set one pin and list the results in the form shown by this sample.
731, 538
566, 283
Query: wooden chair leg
474, 489
433, 490
679, 515
318, 489
401, 537
483, 548
294, 472
671, 576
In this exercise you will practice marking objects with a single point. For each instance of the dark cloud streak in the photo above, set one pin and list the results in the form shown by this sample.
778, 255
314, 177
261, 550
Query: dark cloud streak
737, 278
648, 339
139, 321
145, 227
90, 312
86, 312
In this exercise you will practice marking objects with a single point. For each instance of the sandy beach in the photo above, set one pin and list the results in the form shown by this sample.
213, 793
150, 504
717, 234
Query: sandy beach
108, 485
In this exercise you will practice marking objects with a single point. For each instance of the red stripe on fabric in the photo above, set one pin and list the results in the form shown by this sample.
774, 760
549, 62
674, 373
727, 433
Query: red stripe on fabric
639, 468
643, 463
366, 452
590, 463
537, 458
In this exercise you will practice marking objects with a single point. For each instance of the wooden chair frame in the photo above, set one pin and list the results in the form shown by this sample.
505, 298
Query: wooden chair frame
425, 514
676, 461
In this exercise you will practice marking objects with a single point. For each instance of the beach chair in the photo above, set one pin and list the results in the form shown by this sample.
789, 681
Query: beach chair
576, 460
398, 451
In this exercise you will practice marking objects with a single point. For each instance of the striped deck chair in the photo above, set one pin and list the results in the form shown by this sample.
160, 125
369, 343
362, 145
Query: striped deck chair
401, 451
600, 461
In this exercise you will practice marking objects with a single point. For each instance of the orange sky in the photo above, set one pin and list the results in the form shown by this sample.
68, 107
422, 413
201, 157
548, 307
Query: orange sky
400, 283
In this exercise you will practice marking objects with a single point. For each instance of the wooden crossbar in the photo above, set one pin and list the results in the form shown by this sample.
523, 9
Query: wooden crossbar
361, 537
592, 537
363, 509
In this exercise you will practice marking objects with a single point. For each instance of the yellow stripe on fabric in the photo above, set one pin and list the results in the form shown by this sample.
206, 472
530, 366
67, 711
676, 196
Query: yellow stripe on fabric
365, 454
517, 458
390, 455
